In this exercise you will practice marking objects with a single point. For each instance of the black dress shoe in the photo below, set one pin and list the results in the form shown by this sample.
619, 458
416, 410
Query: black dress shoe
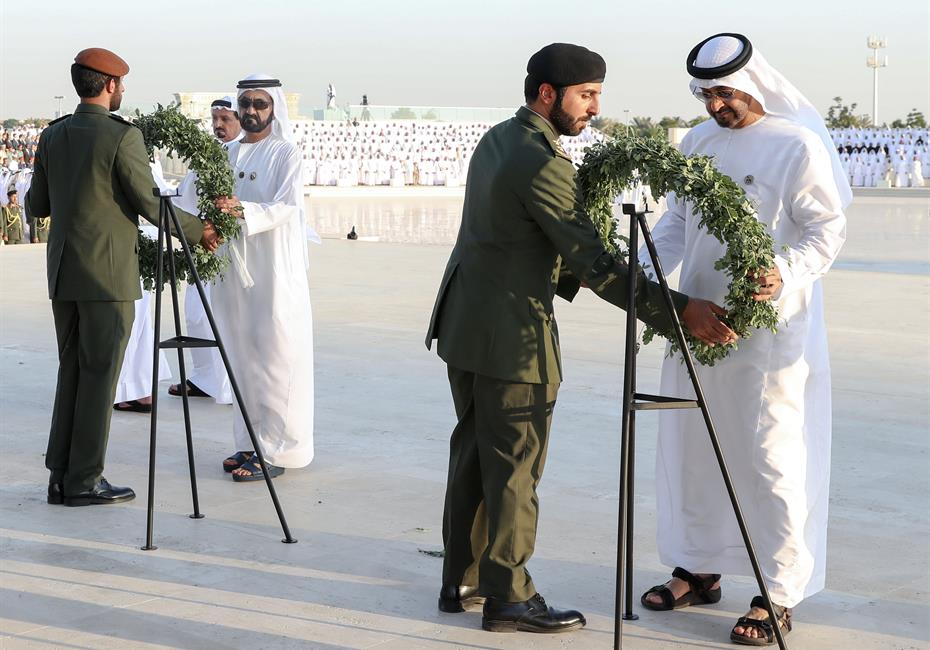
56, 494
454, 599
102, 493
532, 615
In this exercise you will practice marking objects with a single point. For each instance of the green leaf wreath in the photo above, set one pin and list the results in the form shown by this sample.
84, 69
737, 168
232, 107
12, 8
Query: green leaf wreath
621, 162
168, 130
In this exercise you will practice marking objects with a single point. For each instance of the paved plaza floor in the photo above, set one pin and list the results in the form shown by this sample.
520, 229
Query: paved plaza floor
367, 510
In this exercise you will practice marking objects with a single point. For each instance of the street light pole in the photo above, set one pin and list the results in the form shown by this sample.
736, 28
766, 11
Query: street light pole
59, 98
876, 61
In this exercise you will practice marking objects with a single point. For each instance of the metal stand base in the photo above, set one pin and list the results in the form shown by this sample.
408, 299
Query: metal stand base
632, 402
180, 343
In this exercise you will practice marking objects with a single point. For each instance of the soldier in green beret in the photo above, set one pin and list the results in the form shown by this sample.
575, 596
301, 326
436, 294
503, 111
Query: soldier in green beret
11, 219
93, 174
523, 240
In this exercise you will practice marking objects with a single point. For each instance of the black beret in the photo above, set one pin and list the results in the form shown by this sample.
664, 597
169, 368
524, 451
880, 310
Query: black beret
564, 64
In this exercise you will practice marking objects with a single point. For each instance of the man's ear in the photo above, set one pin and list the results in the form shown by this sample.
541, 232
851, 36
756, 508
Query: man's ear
112, 84
547, 93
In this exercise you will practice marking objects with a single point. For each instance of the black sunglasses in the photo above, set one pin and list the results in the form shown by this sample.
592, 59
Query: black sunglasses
258, 104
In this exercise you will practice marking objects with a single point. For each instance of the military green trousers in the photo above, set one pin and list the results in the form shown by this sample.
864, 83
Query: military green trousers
92, 337
496, 457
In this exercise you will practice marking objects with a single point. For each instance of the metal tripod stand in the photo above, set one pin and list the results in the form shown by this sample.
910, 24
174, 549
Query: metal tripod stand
180, 343
634, 401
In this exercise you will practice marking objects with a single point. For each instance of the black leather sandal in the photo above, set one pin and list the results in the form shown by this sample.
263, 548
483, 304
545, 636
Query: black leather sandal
193, 390
762, 625
255, 473
700, 594
238, 459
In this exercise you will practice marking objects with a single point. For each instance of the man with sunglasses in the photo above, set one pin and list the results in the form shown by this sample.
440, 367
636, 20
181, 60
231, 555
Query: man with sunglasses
262, 304
770, 398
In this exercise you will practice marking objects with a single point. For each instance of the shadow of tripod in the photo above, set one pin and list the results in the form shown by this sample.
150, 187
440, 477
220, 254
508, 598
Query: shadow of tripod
180, 343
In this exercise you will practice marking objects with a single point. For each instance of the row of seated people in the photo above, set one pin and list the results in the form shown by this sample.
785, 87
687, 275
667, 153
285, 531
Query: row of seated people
884, 157
399, 153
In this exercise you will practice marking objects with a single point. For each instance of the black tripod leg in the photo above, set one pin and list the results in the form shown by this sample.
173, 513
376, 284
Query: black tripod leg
628, 614
626, 461
288, 539
159, 276
185, 399
629, 398
712, 432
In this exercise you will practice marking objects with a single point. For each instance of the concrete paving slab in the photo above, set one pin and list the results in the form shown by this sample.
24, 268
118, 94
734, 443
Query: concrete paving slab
369, 506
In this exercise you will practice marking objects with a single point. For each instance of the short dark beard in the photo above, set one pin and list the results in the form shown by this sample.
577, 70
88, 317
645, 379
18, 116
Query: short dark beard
115, 102
564, 123
251, 123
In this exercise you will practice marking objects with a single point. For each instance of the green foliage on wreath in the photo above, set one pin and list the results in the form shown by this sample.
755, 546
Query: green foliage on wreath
168, 130
625, 160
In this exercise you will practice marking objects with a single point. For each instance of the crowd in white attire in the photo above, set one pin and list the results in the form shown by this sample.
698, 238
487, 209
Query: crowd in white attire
884, 157
16, 177
398, 153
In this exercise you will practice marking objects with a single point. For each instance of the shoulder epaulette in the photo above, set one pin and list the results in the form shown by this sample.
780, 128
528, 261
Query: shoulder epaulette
120, 118
556, 145
59, 119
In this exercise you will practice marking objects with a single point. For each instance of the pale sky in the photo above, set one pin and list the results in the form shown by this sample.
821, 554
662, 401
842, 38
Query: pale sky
468, 53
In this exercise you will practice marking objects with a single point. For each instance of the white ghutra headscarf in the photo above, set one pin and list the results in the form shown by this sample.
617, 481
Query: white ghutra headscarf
281, 125
730, 60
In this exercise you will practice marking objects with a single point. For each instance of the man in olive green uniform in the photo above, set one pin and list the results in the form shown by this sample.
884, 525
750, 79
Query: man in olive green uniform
11, 216
92, 173
523, 240
39, 228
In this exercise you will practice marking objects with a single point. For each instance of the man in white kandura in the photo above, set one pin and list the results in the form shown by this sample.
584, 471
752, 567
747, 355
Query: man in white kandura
263, 302
207, 376
134, 385
770, 399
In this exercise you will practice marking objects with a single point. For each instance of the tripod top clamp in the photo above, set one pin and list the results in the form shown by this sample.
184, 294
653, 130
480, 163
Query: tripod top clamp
632, 209
159, 193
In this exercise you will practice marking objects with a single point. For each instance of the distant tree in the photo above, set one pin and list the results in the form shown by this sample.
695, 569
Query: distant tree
604, 124
430, 115
697, 120
676, 122
915, 120
10, 123
646, 128
403, 113
841, 116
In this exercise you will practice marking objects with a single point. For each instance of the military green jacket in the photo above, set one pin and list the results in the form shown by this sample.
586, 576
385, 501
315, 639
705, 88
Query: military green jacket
11, 223
524, 238
39, 227
92, 172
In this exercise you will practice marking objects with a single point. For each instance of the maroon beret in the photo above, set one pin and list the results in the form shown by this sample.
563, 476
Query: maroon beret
101, 60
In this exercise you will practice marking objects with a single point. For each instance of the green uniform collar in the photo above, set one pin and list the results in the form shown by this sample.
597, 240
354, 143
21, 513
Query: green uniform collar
540, 123
535, 119
91, 108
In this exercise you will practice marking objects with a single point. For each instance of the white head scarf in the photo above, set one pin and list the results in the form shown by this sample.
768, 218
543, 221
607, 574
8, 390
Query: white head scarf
281, 126
776, 94
227, 99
